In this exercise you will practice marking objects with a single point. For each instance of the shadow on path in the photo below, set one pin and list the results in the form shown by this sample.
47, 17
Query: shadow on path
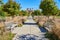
30, 23
42, 29
29, 37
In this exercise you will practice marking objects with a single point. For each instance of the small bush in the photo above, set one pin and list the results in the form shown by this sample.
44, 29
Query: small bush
20, 25
51, 36
7, 36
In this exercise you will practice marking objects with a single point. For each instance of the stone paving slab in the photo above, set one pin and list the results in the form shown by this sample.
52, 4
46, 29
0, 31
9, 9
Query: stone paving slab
28, 32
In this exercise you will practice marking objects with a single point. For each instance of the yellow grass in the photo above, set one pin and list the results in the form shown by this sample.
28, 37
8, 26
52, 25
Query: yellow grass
6, 36
1, 24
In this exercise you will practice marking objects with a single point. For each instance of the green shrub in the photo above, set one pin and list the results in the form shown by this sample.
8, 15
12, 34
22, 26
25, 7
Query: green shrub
20, 25
7, 36
10, 36
51, 36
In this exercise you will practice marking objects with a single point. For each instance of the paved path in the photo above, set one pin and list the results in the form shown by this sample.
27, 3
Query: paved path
29, 31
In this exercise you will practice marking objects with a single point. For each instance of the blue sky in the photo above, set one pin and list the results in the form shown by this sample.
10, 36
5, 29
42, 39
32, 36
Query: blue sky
32, 3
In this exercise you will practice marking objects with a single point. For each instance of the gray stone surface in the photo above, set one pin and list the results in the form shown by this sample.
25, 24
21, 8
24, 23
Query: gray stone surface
28, 32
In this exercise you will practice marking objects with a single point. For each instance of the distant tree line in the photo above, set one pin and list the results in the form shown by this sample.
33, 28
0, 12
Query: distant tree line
49, 8
12, 8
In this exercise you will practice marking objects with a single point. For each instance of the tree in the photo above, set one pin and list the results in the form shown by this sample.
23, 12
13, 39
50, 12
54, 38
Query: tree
23, 13
2, 13
48, 7
1, 2
36, 12
12, 8
58, 13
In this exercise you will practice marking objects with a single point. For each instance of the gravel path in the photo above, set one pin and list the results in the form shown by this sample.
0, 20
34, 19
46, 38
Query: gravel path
28, 32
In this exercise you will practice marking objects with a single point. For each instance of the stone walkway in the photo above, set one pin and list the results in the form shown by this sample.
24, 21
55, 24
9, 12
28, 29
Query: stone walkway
28, 32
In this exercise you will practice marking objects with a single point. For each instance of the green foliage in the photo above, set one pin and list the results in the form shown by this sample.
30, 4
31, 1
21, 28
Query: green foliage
51, 36
7, 36
58, 13
24, 13
1, 2
20, 25
10, 36
2, 14
48, 7
11, 7
36, 12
